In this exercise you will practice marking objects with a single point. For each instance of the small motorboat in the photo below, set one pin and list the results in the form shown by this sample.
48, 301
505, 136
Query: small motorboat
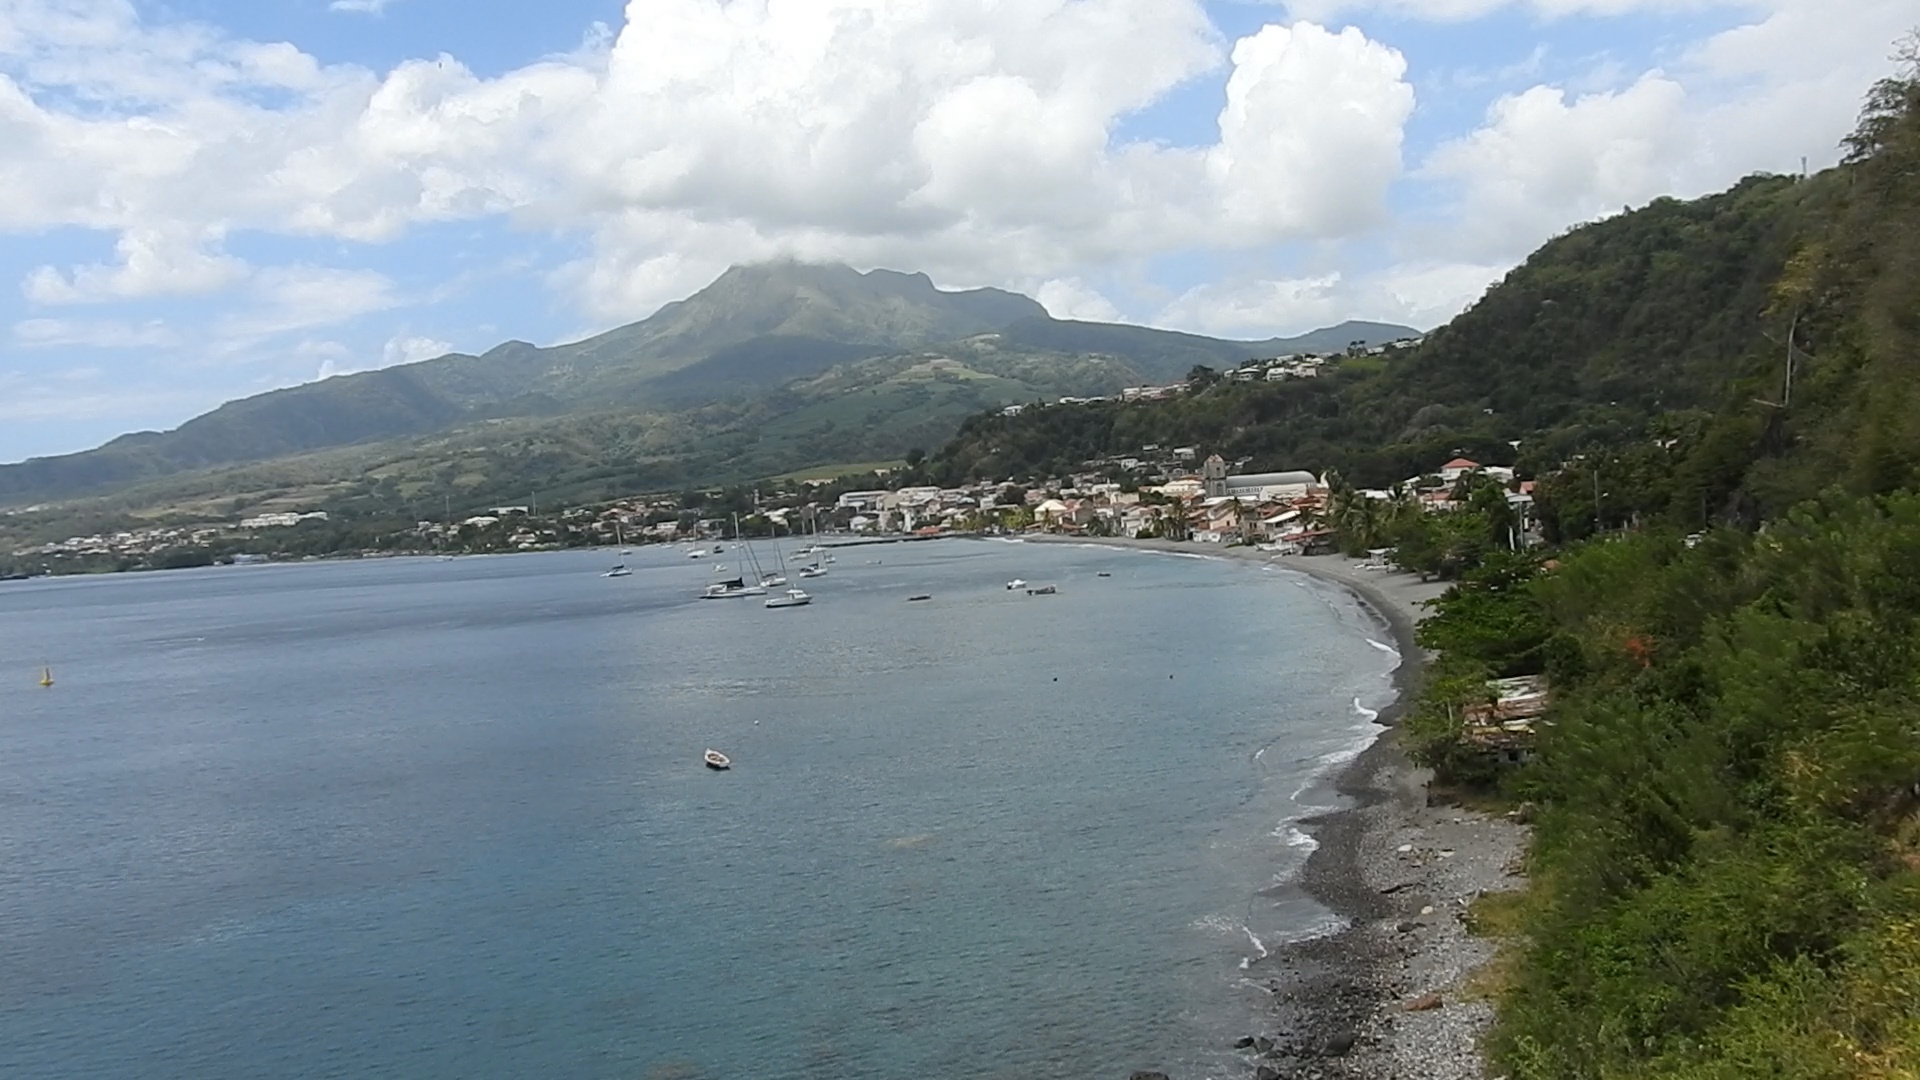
619, 570
774, 581
1103, 573
813, 571
1044, 590
696, 554
1016, 583
793, 598
922, 596
716, 760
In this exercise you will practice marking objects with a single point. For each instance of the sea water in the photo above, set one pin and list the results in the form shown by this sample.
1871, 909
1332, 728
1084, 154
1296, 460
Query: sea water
433, 818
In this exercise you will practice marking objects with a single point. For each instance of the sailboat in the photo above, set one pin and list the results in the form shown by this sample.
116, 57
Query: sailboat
779, 577
814, 569
733, 587
46, 676
766, 580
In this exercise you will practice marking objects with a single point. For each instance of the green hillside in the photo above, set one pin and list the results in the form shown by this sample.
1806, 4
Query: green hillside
1649, 314
732, 354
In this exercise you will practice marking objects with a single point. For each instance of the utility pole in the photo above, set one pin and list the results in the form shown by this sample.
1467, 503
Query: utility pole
1596, 499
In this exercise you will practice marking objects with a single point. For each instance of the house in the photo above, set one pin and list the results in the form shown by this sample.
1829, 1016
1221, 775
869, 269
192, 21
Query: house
1457, 468
1503, 723
1185, 488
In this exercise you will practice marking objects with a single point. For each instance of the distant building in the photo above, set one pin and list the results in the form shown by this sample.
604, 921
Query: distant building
1265, 486
861, 500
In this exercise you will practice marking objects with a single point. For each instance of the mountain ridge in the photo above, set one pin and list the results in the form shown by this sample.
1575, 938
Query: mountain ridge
742, 337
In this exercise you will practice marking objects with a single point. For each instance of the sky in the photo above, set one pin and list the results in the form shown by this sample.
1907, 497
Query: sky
206, 199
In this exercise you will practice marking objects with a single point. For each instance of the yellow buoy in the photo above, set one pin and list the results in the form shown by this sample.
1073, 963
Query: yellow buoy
46, 676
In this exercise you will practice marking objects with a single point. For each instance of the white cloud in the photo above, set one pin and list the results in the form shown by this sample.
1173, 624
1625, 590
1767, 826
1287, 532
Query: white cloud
289, 298
975, 135
1421, 295
1071, 298
409, 349
45, 333
1542, 162
1467, 10
153, 262
1781, 86
369, 7
1310, 138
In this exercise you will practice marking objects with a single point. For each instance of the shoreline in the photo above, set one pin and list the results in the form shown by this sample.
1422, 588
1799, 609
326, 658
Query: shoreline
1381, 998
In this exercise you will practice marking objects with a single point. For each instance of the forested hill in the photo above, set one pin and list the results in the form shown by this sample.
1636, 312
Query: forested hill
1659, 337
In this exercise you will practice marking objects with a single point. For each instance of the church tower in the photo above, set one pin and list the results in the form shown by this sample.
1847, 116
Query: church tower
1214, 473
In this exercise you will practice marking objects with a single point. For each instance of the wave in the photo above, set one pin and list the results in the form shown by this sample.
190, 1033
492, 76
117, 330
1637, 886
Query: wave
1384, 647
1247, 961
1370, 714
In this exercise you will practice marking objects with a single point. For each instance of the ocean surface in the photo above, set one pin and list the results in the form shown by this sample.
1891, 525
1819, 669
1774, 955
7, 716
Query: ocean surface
447, 818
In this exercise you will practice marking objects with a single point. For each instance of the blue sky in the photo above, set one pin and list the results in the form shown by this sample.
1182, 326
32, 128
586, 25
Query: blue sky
213, 198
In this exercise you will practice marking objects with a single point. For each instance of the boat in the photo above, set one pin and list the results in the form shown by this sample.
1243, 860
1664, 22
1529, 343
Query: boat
730, 589
813, 570
46, 676
922, 596
1016, 583
1043, 590
716, 760
696, 554
619, 570
793, 598
1103, 573
777, 579
719, 549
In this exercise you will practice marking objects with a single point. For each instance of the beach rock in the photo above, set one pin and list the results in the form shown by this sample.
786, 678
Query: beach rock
1263, 1044
1423, 1003
1266, 1072
1244, 1042
1408, 927
1339, 1044
1149, 1076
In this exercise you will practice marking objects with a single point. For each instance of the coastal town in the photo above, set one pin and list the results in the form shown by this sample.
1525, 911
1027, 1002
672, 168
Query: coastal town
1166, 493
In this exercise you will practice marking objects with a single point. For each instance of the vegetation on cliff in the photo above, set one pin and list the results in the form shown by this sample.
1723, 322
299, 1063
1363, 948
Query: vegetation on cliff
1726, 869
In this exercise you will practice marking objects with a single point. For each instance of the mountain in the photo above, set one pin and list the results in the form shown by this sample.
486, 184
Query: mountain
731, 354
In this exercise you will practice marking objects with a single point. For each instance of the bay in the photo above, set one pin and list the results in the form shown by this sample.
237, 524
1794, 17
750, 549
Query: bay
447, 818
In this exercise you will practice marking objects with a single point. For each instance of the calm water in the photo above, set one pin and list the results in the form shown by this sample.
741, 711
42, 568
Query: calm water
447, 819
